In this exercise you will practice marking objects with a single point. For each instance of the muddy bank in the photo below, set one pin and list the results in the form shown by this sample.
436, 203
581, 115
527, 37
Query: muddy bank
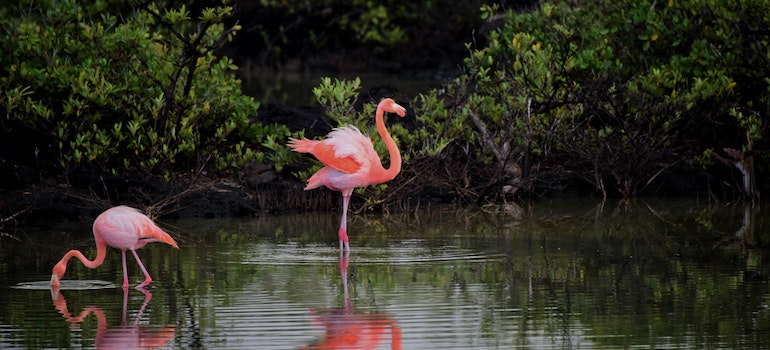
260, 190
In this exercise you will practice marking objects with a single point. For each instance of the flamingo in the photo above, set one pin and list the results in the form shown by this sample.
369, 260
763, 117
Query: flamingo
350, 160
121, 227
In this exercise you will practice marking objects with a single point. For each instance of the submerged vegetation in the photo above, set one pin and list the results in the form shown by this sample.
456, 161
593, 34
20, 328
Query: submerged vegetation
609, 98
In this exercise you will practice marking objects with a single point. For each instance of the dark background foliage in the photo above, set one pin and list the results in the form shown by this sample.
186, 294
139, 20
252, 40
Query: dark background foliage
140, 102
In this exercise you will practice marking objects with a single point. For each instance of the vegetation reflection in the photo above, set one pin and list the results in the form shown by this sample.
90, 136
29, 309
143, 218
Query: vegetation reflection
615, 275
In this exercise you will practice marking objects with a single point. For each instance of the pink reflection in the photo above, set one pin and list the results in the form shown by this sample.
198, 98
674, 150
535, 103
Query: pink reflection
345, 329
125, 336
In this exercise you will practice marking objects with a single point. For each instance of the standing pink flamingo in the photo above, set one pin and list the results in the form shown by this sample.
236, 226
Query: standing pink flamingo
350, 160
124, 228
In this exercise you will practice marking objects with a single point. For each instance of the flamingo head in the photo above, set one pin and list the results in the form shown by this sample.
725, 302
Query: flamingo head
390, 106
57, 273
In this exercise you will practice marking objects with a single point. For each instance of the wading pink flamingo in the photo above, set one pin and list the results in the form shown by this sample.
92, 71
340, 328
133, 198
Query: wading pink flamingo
350, 160
124, 228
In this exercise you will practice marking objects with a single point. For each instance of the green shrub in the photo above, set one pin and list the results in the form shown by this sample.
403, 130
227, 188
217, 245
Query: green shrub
615, 93
143, 92
620, 91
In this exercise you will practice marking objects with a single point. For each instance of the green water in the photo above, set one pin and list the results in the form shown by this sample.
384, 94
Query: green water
571, 274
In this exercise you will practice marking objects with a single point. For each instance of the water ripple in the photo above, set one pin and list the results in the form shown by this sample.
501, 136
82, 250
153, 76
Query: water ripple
67, 285
405, 253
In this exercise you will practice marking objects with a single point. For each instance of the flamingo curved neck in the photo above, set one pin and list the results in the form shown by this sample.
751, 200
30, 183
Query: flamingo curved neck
395, 156
101, 253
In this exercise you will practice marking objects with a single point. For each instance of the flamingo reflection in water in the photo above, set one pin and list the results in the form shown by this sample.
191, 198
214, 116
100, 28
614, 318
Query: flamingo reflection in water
125, 336
346, 329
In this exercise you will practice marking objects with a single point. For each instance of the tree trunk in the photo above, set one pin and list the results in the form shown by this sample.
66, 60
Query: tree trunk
744, 162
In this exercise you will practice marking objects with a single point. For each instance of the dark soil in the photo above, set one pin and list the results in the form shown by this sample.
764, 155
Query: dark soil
28, 197
33, 192
30, 194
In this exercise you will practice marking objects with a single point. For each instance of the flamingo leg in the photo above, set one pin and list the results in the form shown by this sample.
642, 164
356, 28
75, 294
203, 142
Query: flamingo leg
125, 269
343, 233
147, 278
344, 274
125, 306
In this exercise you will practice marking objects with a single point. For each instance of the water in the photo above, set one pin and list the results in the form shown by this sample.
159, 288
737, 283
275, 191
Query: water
570, 275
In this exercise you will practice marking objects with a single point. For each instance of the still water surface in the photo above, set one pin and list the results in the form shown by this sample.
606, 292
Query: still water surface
569, 275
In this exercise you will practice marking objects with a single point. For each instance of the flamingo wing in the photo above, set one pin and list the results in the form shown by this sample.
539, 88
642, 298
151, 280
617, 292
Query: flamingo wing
126, 228
345, 149
349, 143
115, 228
327, 154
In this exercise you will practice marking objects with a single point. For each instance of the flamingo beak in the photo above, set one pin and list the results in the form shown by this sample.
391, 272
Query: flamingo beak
54, 280
401, 111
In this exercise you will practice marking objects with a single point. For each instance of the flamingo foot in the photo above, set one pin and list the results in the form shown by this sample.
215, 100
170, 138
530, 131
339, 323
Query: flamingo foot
144, 284
344, 247
343, 265
344, 241
147, 278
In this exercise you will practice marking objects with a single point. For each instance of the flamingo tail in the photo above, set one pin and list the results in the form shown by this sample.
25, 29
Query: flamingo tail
326, 153
156, 234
